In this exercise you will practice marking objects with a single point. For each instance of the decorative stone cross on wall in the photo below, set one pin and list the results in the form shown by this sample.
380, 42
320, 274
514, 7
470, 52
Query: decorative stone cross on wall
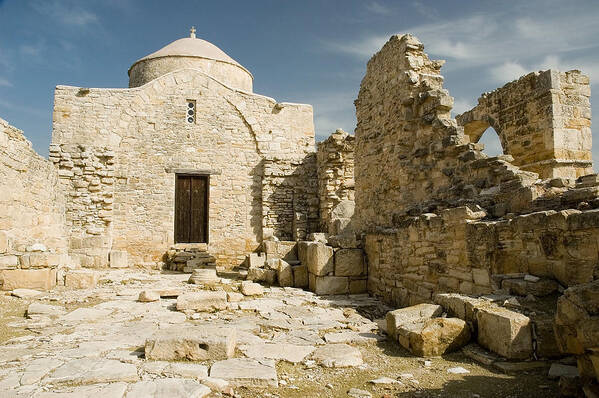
192, 32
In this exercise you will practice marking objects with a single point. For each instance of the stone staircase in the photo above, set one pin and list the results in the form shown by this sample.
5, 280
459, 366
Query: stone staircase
186, 257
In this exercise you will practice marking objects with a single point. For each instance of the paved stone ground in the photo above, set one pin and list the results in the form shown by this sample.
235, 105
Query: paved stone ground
290, 343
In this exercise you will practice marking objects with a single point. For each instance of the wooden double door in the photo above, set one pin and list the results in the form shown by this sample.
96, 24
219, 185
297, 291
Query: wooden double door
191, 209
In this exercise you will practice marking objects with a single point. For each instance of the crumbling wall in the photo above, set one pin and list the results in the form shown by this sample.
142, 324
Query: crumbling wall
543, 120
412, 157
335, 158
32, 228
458, 251
289, 198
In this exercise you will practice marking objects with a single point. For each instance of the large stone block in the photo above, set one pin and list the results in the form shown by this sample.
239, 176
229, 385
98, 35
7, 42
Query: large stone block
433, 337
300, 276
81, 279
202, 301
191, 343
331, 285
246, 372
286, 250
118, 259
302, 252
268, 276
320, 259
285, 274
504, 332
8, 261
38, 279
256, 260
413, 314
349, 262
40, 260
460, 306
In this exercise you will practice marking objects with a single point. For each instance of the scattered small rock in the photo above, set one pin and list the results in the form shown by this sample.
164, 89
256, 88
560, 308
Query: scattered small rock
385, 380
251, 288
357, 393
458, 370
148, 296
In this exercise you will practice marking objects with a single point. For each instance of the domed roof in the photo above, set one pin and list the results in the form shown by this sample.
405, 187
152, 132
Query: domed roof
191, 47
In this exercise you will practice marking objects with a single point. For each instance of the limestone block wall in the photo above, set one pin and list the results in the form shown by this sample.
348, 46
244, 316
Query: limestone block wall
411, 157
142, 137
32, 227
458, 251
289, 197
335, 178
543, 120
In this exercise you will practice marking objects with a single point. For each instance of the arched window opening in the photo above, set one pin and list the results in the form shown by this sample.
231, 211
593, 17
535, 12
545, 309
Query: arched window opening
490, 139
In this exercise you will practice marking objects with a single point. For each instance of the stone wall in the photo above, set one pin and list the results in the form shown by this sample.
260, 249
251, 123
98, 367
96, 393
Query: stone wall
289, 197
335, 179
412, 157
33, 241
141, 136
458, 251
543, 120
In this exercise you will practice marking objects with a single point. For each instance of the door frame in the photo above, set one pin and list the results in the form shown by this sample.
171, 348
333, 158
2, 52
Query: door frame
206, 207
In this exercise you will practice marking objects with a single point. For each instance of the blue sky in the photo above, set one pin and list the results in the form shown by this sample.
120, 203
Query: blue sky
299, 51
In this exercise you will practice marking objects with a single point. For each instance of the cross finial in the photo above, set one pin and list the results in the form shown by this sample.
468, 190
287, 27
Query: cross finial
192, 32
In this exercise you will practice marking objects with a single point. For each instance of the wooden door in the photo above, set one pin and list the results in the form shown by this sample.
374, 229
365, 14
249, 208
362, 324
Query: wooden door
191, 209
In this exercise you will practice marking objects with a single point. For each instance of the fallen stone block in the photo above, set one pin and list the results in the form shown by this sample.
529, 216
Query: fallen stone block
256, 260
349, 262
504, 332
460, 306
558, 370
219, 385
434, 337
26, 293
320, 260
202, 301
285, 274
337, 356
37, 279
234, 297
148, 296
331, 285
416, 313
203, 276
246, 372
268, 276
251, 288
191, 343
81, 279
300, 276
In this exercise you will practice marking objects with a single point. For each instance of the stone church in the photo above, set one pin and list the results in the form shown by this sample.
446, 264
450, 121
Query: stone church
188, 166
186, 154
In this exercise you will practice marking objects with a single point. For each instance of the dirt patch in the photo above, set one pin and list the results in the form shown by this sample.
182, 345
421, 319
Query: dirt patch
390, 360
11, 309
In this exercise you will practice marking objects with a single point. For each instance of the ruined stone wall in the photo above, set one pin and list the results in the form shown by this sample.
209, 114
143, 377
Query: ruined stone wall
141, 136
335, 158
543, 120
32, 230
412, 157
289, 197
458, 251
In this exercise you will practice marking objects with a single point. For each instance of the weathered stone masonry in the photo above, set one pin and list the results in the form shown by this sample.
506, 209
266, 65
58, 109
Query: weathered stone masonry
33, 242
543, 120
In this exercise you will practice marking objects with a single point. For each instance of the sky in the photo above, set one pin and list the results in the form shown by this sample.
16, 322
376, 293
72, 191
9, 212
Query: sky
298, 51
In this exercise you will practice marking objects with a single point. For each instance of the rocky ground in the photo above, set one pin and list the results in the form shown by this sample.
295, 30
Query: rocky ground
289, 343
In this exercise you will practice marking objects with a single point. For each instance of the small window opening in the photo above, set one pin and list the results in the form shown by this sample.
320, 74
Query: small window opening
190, 114
490, 139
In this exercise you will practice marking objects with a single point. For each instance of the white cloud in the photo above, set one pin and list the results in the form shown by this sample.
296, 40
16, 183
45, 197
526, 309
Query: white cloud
377, 8
460, 106
68, 13
507, 72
